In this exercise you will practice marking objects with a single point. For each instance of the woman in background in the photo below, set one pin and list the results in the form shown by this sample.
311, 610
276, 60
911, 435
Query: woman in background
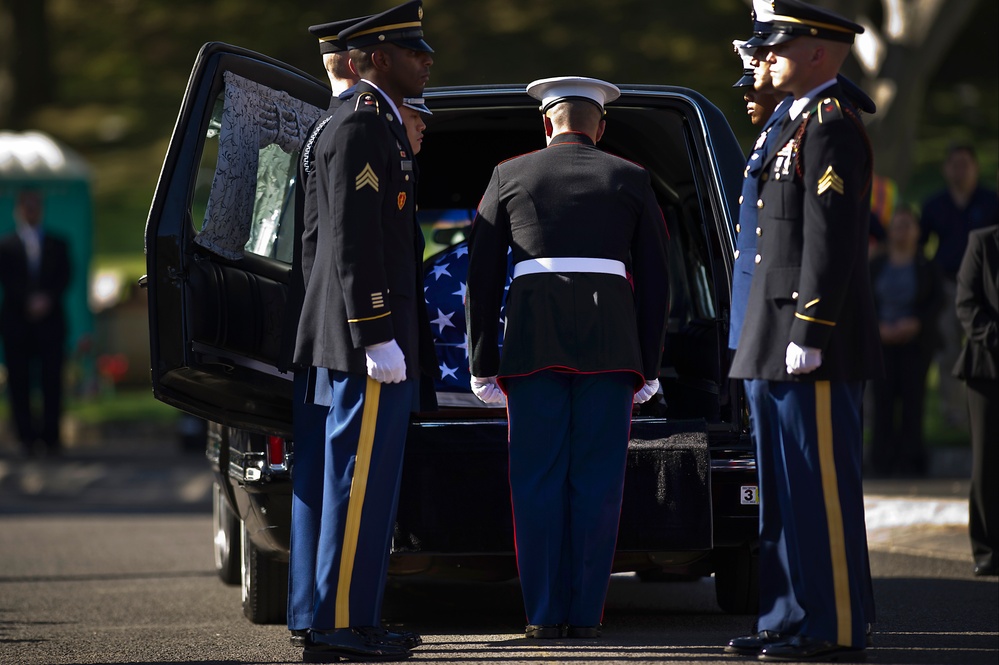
908, 297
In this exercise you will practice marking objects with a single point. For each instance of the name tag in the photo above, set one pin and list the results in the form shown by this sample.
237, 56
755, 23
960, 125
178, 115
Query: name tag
407, 164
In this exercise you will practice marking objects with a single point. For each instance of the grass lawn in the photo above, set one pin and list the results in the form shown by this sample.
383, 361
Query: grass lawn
130, 407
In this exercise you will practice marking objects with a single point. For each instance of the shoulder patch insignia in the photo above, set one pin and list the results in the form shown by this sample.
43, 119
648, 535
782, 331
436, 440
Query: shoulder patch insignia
830, 180
366, 177
829, 109
366, 99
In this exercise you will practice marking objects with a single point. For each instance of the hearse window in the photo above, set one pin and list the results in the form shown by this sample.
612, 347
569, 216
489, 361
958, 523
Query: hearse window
251, 149
657, 139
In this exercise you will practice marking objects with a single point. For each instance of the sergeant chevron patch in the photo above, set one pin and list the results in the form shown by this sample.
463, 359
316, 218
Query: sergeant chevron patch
830, 180
367, 177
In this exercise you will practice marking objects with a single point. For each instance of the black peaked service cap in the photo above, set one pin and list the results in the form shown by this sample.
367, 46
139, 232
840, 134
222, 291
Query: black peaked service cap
328, 33
794, 18
402, 26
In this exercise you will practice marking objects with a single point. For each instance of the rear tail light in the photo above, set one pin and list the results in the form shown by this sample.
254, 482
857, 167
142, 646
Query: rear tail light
275, 450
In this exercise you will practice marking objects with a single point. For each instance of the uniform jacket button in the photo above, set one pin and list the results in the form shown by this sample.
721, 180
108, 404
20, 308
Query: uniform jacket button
759, 204
736, 253
794, 296
758, 258
740, 199
738, 227
759, 231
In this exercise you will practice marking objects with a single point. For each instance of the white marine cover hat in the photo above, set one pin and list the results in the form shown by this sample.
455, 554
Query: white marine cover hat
551, 91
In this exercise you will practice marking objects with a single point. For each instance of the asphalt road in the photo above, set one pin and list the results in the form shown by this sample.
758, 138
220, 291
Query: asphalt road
105, 557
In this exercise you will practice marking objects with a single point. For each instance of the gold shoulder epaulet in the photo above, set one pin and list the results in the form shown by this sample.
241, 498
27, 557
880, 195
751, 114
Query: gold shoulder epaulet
367, 100
829, 109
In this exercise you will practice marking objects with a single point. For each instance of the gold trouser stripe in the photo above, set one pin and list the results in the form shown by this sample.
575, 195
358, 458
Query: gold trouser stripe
358, 485
834, 514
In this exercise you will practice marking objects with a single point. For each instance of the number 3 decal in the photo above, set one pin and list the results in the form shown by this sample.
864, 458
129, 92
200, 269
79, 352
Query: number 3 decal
750, 495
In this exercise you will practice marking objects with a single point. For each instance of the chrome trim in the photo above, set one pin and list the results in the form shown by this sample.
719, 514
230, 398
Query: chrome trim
733, 465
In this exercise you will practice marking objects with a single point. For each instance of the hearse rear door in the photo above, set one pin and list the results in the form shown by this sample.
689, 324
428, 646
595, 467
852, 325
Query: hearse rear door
219, 239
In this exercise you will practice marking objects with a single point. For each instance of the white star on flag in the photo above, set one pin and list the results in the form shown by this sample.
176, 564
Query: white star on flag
440, 269
448, 371
443, 320
460, 292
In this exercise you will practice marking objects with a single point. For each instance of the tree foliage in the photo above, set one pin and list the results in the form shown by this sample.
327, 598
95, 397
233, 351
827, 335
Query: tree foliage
111, 79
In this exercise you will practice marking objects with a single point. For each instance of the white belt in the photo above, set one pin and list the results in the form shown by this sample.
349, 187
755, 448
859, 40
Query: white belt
569, 264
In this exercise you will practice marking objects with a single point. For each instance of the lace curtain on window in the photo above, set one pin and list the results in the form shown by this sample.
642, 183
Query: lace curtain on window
253, 118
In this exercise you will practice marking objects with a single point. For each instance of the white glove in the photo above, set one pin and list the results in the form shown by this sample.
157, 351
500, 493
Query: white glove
802, 359
487, 390
646, 392
386, 362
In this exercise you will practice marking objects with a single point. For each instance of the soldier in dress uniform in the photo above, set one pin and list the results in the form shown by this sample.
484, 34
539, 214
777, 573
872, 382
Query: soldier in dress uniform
364, 331
810, 338
308, 419
413, 110
767, 109
585, 324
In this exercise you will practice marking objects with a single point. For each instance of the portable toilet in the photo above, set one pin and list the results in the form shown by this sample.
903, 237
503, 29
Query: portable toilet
35, 160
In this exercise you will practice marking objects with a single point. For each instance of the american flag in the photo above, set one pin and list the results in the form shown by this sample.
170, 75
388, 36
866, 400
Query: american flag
444, 291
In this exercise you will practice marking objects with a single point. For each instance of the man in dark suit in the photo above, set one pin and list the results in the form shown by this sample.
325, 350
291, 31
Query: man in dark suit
978, 364
585, 323
34, 274
811, 334
364, 330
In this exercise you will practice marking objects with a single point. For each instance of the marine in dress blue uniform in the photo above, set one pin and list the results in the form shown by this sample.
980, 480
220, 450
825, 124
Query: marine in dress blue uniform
585, 323
364, 330
810, 340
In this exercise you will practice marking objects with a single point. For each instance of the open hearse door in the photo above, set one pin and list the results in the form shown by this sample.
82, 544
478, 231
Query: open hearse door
219, 238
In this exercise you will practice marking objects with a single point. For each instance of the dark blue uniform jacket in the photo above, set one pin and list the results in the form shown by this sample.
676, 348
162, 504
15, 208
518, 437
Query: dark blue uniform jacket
811, 285
569, 200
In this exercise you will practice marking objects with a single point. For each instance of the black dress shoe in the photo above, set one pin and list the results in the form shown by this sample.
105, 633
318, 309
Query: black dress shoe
545, 631
299, 638
986, 570
329, 646
404, 638
751, 645
583, 631
802, 647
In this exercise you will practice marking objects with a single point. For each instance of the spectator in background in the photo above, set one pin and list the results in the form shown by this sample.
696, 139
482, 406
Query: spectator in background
978, 310
908, 297
34, 274
949, 215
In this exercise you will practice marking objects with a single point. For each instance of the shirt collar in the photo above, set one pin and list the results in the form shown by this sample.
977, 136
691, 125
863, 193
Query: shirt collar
802, 103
